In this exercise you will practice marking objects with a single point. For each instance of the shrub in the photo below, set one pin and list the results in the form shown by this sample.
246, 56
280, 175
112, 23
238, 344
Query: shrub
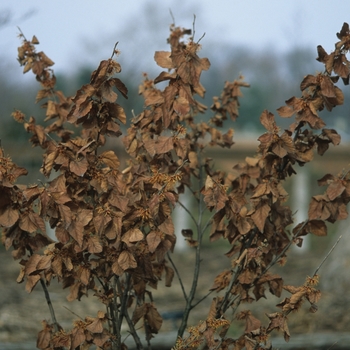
114, 230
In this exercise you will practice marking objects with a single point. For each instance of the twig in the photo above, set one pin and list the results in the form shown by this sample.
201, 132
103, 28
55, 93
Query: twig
332, 345
326, 257
201, 38
194, 27
201, 299
224, 305
133, 331
48, 300
187, 211
22, 33
178, 276
172, 16
114, 51
208, 222
72, 312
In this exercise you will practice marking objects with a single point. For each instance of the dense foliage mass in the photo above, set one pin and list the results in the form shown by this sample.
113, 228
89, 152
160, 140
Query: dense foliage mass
114, 228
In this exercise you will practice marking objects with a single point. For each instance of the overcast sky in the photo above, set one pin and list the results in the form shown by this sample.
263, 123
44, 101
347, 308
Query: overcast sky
84, 32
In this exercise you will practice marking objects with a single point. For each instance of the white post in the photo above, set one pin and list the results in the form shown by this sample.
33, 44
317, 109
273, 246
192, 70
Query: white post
300, 200
182, 221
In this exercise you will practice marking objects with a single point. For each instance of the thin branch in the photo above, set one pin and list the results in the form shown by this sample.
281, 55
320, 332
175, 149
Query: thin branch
326, 257
73, 313
22, 33
345, 174
226, 302
133, 331
123, 297
188, 212
178, 276
201, 299
197, 259
233, 300
193, 27
124, 311
114, 314
172, 16
48, 300
207, 224
114, 51
201, 38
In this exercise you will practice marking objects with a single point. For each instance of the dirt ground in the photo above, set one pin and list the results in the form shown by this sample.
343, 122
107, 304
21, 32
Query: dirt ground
21, 313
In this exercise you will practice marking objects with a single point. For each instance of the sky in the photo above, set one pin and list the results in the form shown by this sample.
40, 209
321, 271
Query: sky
82, 32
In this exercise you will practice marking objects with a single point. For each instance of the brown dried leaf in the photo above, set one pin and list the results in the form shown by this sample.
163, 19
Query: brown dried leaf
278, 321
317, 227
260, 215
31, 222
285, 112
117, 270
96, 326
110, 159
126, 260
335, 189
32, 281
164, 144
252, 323
79, 167
153, 240
44, 336
94, 245
169, 276
9, 217
154, 318
139, 312
167, 226
78, 337
132, 236
163, 59
267, 119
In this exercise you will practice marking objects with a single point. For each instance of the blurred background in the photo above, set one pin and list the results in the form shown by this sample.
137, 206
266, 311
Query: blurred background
272, 44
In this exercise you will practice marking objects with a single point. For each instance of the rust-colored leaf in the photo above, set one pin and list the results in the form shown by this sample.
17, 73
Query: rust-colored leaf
153, 240
260, 215
9, 217
94, 245
126, 260
163, 59
164, 144
317, 227
154, 318
79, 167
96, 326
335, 189
167, 226
110, 159
32, 281
132, 236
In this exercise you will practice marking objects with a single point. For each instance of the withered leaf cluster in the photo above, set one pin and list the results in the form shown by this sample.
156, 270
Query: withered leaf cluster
113, 226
